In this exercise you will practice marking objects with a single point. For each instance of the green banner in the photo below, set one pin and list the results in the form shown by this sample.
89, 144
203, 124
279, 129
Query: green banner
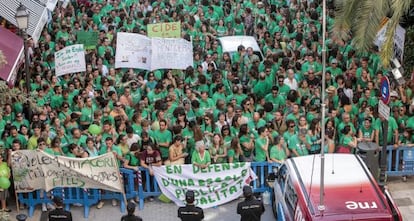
164, 30
88, 39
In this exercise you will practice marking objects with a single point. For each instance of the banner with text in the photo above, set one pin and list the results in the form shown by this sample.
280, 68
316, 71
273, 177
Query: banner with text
139, 51
70, 59
133, 51
171, 53
33, 170
164, 30
213, 186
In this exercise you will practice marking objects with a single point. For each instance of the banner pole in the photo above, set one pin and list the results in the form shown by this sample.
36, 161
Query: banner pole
123, 187
17, 202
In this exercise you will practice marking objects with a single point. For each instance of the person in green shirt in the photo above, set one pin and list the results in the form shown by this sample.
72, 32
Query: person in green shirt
163, 137
279, 151
392, 134
348, 141
298, 144
234, 152
366, 133
261, 145
131, 160
200, 157
76, 151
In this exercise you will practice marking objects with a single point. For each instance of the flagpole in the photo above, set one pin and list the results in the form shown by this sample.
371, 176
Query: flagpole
321, 206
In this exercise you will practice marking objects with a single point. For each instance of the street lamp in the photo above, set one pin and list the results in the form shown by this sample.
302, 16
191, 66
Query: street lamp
22, 19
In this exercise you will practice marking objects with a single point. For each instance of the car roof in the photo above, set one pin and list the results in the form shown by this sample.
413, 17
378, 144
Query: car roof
230, 43
346, 181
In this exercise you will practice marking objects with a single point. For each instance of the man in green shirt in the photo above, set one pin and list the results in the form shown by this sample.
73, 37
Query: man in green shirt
15, 135
163, 137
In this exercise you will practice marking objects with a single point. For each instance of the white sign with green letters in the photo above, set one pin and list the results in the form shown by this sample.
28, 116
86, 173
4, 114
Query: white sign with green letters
215, 185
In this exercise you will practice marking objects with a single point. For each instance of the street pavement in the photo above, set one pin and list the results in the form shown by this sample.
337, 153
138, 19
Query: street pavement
158, 211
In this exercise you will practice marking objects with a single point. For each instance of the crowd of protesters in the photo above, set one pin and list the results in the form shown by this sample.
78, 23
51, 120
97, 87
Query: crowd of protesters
226, 108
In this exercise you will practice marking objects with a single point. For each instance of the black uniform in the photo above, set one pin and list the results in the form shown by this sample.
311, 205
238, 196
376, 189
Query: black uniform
190, 213
131, 218
59, 214
250, 210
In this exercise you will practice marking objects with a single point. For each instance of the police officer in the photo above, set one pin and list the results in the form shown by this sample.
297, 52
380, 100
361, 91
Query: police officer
250, 209
190, 212
131, 216
59, 214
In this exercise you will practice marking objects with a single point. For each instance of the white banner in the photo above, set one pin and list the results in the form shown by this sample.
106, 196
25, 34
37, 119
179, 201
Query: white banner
399, 38
139, 51
171, 53
70, 59
133, 51
213, 186
33, 170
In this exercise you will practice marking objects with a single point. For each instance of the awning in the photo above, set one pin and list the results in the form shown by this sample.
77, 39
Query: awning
38, 15
12, 49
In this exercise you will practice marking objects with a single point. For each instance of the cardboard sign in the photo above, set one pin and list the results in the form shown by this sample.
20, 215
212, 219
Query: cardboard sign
87, 38
164, 30
70, 59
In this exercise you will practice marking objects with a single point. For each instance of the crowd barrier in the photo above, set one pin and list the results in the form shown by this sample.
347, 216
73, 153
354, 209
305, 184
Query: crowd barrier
400, 162
90, 197
80, 196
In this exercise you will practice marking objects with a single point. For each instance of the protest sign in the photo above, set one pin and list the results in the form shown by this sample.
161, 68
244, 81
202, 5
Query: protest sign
139, 51
33, 170
399, 39
70, 59
213, 186
133, 51
164, 30
89, 39
171, 53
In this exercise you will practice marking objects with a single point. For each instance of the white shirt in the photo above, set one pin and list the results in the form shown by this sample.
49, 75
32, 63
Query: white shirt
293, 84
134, 139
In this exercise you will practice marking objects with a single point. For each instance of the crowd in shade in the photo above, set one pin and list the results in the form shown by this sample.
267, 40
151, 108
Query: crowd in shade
227, 107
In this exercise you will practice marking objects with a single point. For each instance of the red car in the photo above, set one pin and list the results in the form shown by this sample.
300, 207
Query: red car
351, 192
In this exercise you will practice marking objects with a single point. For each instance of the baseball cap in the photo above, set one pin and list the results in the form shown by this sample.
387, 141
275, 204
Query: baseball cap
247, 191
334, 61
189, 196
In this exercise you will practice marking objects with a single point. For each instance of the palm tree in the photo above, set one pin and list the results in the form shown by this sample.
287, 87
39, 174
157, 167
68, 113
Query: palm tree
361, 20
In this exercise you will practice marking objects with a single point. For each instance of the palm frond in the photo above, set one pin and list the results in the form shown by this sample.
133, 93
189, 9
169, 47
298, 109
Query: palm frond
399, 8
343, 18
367, 21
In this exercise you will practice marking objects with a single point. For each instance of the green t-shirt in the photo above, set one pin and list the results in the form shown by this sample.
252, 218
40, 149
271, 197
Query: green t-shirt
162, 137
232, 154
196, 158
260, 154
132, 159
276, 153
